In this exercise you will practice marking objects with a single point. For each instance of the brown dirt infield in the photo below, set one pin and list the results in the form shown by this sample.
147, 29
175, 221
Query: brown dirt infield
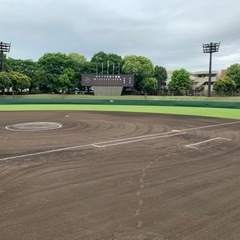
121, 176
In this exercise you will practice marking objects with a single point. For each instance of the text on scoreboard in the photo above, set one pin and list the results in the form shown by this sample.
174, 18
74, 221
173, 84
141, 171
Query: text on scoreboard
125, 80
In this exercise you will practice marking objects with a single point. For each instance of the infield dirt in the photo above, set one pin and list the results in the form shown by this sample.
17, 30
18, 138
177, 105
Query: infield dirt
121, 176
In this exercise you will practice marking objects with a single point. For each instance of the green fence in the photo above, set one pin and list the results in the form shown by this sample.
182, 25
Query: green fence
14, 101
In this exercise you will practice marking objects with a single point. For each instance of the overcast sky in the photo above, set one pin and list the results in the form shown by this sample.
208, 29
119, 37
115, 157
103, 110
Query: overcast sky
170, 33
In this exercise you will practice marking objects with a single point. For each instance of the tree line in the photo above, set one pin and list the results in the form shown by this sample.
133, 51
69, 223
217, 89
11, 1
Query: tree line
59, 72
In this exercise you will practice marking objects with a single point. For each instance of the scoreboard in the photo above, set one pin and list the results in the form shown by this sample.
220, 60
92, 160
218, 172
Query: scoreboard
123, 80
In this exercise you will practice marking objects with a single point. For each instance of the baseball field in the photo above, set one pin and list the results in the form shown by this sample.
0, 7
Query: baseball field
119, 172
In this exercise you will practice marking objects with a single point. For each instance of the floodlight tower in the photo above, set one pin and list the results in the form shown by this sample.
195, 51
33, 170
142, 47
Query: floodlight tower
4, 47
210, 48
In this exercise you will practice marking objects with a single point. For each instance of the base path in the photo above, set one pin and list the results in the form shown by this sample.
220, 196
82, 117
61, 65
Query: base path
123, 176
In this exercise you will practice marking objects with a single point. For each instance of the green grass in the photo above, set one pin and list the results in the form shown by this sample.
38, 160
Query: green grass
207, 112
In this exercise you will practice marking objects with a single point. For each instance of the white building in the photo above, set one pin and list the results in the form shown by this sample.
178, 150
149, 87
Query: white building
199, 80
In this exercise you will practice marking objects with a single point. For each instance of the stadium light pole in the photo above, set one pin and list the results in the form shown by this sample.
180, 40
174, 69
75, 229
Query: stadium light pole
210, 48
4, 47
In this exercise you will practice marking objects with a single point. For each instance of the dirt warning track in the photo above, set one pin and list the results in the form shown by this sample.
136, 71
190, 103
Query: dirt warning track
123, 176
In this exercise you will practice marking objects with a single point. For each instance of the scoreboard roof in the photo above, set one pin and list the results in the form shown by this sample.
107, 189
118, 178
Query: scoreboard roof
124, 80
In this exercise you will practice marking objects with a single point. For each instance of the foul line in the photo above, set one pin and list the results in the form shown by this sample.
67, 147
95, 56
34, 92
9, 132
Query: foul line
209, 140
209, 126
44, 152
121, 141
100, 144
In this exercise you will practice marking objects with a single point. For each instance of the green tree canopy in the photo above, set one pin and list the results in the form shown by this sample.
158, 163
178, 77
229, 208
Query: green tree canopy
77, 58
115, 63
140, 66
98, 63
26, 67
149, 85
99, 57
107, 63
55, 67
66, 80
180, 82
224, 85
234, 73
53, 63
90, 67
5, 81
160, 74
79, 64
19, 81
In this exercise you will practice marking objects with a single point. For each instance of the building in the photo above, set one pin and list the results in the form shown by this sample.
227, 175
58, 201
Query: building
199, 80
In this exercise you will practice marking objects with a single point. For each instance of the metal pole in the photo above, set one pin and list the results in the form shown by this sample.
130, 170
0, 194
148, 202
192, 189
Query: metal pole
210, 48
2, 64
210, 75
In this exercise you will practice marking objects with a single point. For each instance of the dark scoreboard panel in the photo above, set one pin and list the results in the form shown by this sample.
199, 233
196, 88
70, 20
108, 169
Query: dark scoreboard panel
124, 80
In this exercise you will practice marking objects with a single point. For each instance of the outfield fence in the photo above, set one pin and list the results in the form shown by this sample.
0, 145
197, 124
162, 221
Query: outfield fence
176, 103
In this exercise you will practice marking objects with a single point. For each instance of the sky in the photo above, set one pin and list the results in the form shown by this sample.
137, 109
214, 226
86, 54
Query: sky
170, 33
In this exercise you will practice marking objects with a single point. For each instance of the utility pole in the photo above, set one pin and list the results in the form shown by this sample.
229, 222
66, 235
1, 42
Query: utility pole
210, 48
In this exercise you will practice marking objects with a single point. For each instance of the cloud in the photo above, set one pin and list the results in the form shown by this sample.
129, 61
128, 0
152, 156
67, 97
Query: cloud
169, 33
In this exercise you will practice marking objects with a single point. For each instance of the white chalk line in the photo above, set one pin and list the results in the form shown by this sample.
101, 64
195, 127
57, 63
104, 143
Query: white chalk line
119, 141
193, 145
34, 126
123, 141
97, 145
44, 152
138, 137
213, 125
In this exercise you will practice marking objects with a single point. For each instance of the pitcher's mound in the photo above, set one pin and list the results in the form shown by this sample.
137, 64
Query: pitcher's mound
34, 126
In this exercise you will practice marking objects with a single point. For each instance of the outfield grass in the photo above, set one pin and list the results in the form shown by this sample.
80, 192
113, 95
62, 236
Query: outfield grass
207, 112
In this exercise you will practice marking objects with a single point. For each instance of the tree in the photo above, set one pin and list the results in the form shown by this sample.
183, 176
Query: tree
53, 63
79, 64
224, 85
28, 68
149, 85
89, 67
100, 57
106, 63
5, 81
115, 63
234, 73
66, 79
19, 81
99, 62
53, 66
180, 82
140, 66
77, 58
160, 74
